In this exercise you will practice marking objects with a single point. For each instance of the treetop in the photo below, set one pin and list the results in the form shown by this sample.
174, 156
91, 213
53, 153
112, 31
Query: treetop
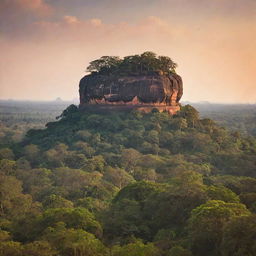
144, 63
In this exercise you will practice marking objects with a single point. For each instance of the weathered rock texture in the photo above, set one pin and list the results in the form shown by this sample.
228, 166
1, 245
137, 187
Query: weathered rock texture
143, 92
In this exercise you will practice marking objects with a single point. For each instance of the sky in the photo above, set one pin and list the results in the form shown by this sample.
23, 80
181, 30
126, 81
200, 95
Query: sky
46, 45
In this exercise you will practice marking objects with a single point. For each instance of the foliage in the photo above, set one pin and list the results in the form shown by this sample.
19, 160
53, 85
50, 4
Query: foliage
73, 242
206, 225
127, 183
135, 64
179, 251
239, 236
137, 248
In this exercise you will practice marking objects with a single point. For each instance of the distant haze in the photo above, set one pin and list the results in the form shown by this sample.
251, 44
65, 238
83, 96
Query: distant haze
46, 45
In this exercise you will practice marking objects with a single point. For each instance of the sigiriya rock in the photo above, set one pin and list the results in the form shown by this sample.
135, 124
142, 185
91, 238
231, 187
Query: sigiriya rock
142, 90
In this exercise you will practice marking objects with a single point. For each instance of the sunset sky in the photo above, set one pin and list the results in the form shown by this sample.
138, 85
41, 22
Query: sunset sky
46, 45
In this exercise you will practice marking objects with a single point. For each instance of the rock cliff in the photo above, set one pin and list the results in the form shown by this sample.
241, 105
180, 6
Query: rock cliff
144, 92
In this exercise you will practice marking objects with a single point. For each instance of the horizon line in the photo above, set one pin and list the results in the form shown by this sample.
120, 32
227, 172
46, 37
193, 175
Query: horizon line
59, 100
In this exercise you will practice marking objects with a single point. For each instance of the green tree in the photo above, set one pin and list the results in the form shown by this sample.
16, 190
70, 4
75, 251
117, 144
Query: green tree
6, 153
4, 236
129, 159
135, 64
56, 156
222, 193
39, 248
8, 167
96, 163
146, 174
164, 239
73, 217
73, 182
190, 114
136, 248
84, 148
105, 63
13, 202
10, 248
239, 237
56, 201
117, 176
31, 152
179, 123
127, 216
166, 64
73, 242
131, 64
36, 182
148, 61
179, 251
171, 207
75, 160
249, 199
206, 225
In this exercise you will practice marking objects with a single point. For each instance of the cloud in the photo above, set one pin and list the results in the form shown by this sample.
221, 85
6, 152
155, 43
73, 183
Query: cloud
17, 15
71, 19
96, 22
39, 7
134, 10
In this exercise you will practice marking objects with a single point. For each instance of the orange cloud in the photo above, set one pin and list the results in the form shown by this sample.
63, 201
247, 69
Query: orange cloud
71, 19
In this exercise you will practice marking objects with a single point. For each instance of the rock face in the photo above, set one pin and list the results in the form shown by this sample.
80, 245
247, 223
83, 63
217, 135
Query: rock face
124, 92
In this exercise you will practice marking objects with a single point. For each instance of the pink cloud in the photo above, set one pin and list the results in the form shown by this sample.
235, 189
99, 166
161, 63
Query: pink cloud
37, 6
19, 8
16, 16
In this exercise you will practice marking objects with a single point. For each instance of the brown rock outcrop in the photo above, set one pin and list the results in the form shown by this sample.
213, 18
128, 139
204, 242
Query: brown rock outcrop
144, 92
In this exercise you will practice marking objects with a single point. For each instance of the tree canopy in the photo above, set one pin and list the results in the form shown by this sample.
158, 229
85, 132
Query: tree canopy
144, 63
128, 183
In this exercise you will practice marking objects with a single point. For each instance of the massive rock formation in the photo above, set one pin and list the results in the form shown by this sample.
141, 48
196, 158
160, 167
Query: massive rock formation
143, 92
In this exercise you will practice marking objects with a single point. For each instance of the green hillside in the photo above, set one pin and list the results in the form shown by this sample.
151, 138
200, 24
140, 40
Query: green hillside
129, 183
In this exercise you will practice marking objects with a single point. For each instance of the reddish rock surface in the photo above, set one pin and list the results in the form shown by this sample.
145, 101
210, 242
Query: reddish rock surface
124, 92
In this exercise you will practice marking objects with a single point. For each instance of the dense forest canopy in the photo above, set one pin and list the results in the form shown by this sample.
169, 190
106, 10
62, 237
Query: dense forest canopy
17, 117
129, 184
144, 63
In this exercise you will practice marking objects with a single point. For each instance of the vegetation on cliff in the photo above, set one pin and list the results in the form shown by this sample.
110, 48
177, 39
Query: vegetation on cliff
144, 63
127, 183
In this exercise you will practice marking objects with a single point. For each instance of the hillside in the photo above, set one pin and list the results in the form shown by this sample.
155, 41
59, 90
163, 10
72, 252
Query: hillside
132, 182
